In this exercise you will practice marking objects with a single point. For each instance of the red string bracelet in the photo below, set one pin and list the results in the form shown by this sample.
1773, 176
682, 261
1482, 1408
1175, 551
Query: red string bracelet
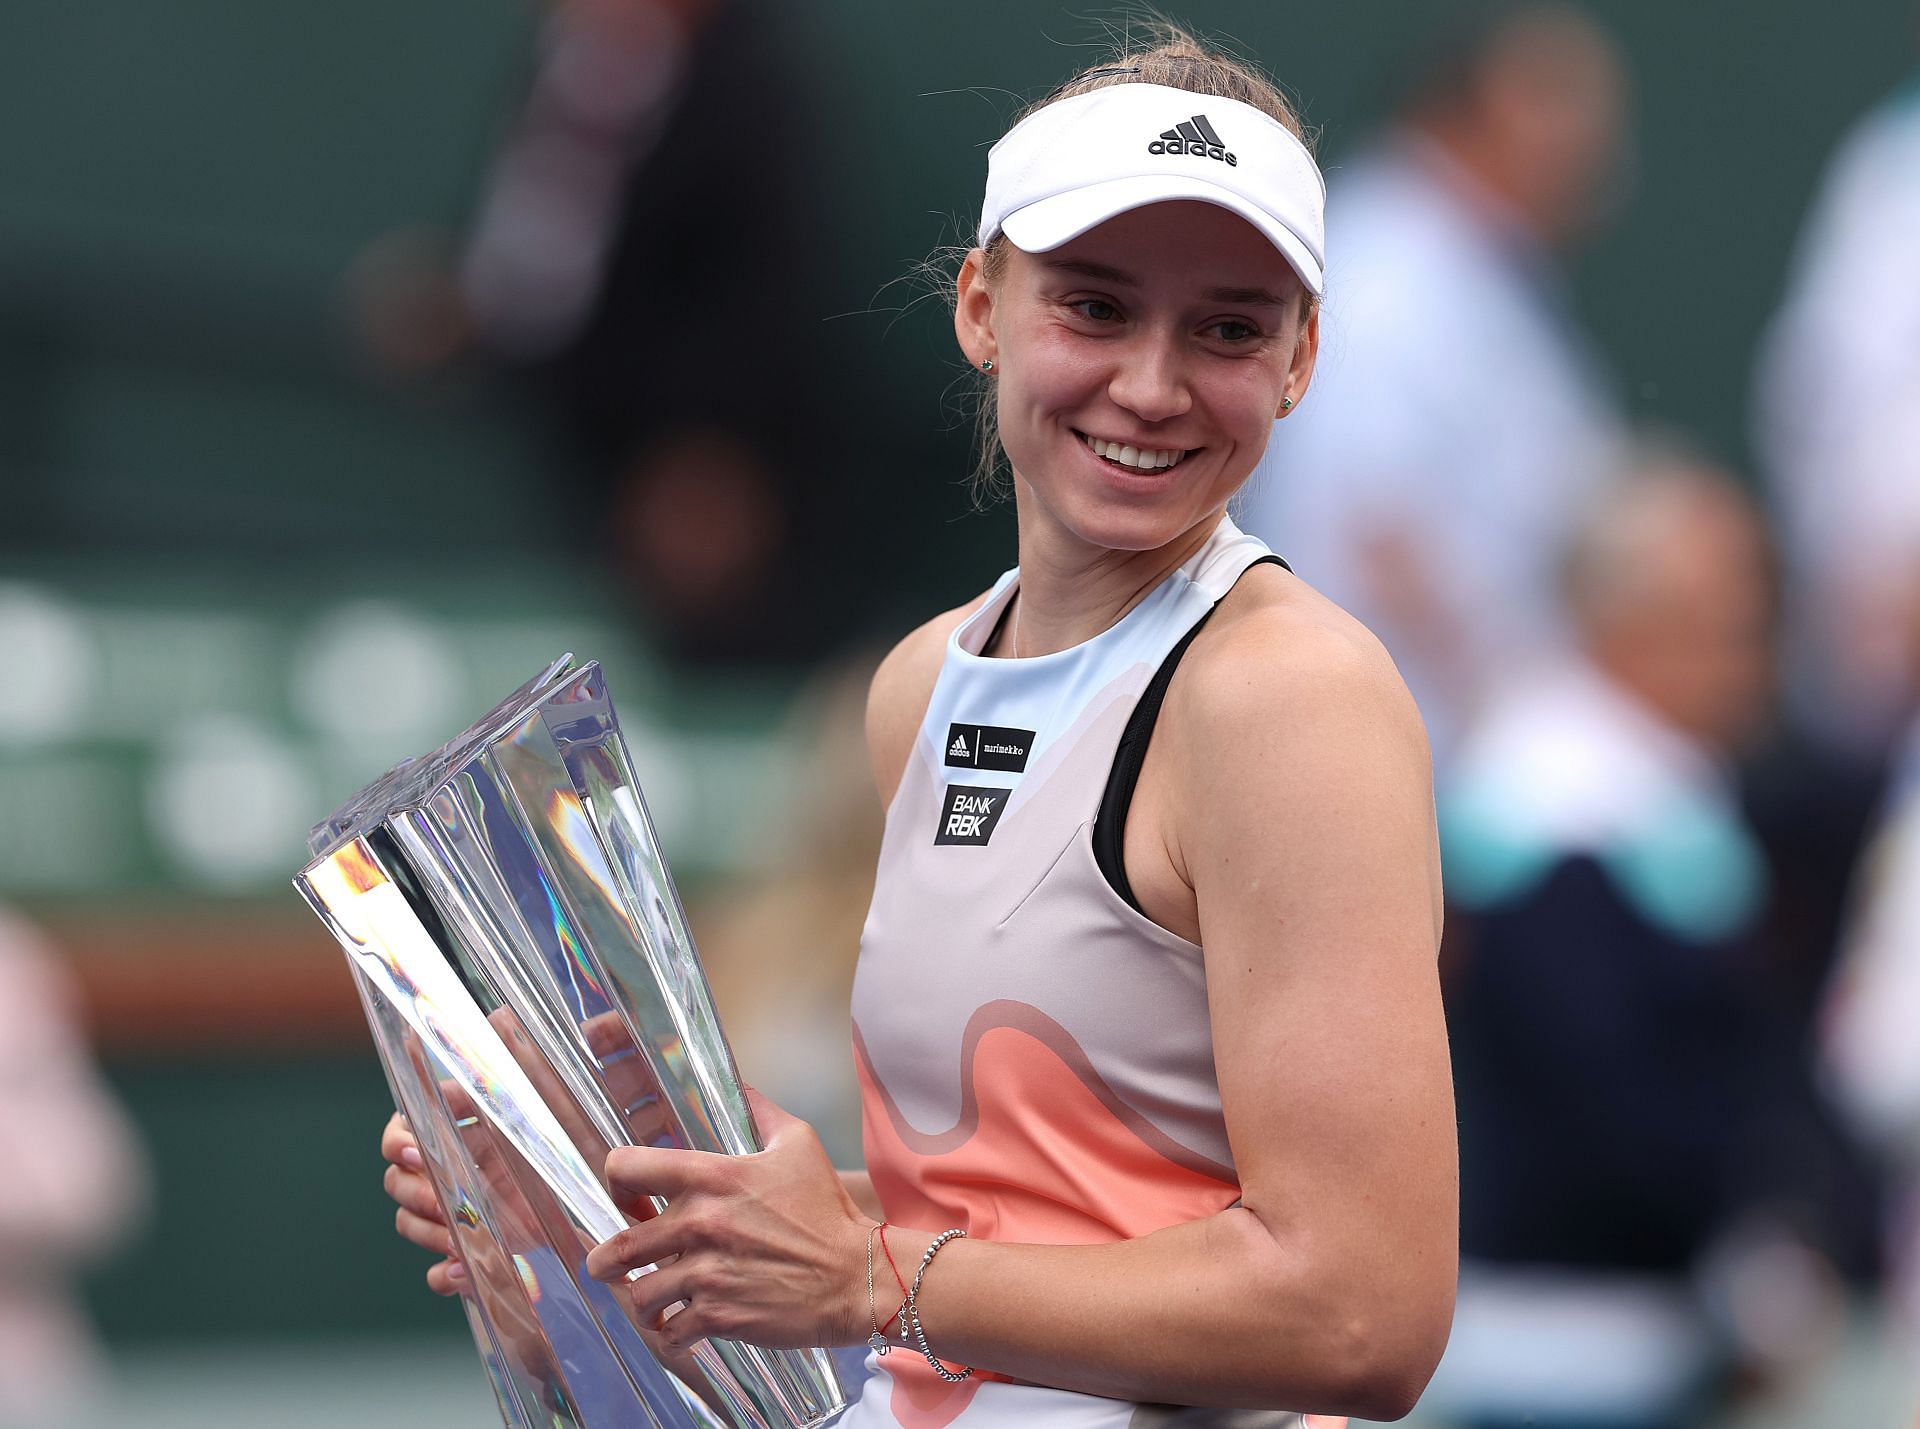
899, 1279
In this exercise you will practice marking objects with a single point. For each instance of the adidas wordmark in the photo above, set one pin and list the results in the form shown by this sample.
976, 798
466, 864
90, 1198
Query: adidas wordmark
1193, 136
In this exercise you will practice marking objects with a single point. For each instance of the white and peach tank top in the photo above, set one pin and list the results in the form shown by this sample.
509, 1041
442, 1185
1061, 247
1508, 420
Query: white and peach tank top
1034, 1053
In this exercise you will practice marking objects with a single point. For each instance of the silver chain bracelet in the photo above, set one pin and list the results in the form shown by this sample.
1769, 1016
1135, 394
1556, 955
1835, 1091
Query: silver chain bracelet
912, 1309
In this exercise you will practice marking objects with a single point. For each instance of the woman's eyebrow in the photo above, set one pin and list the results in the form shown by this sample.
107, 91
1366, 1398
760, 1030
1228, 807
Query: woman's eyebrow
1246, 297
1103, 273
1100, 272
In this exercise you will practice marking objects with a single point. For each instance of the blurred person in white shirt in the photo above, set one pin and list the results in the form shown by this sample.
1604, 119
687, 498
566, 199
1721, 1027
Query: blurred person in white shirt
1872, 1013
72, 1181
1837, 421
1458, 423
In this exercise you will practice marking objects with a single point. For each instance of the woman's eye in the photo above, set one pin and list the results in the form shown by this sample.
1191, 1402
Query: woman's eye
1234, 330
1098, 309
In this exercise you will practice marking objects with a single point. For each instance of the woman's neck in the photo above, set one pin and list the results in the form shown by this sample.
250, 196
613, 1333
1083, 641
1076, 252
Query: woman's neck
1071, 590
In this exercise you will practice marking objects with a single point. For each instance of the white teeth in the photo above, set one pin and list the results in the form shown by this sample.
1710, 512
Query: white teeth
1140, 458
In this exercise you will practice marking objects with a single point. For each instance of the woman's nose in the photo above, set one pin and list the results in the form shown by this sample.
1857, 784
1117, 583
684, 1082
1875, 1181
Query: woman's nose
1151, 381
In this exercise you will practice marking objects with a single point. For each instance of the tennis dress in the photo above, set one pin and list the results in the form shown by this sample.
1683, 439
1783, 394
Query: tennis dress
1034, 1053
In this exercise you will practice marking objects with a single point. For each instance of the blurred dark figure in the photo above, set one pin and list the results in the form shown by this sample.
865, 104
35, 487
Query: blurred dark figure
71, 1184
1837, 420
1458, 422
652, 261
635, 256
1632, 1234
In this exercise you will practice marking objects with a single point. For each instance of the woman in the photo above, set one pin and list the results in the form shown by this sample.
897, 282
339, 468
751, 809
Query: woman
1147, 1001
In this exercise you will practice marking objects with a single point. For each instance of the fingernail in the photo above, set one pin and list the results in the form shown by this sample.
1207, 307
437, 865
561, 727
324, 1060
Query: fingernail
409, 1157
456, 1271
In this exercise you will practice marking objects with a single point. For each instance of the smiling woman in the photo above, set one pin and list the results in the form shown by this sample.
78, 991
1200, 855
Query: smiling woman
1156, 1099
1177, 62
1164, 340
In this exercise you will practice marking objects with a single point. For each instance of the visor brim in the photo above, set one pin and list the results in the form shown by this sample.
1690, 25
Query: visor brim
1045, 225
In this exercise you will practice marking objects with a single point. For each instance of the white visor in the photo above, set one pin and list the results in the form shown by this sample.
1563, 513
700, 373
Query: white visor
1072, 165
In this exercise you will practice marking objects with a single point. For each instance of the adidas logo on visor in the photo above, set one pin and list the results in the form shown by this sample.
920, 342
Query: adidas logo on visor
1193, 136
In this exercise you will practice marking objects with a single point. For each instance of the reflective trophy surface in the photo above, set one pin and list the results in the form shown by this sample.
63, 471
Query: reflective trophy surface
536, 1000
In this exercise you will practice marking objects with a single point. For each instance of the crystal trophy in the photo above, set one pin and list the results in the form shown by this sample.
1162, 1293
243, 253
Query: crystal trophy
536, 1000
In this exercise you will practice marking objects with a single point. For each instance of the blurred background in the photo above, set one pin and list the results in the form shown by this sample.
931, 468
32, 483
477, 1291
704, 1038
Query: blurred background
354, 360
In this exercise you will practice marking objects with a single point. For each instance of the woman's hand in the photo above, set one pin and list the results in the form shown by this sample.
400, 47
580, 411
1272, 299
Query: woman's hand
767, 1248
421, 1218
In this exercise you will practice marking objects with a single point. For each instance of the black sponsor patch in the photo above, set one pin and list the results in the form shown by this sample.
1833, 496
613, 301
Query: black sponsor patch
988, 746
968, 814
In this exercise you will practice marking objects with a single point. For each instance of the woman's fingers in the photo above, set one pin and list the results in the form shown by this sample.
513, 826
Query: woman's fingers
606, 1035
770, 1119
764, 1247
648, 1243
415, 1192
655, 1294
447, 1277
398, 1146
636, 1173
684, 1328
421, 1231
419, 1219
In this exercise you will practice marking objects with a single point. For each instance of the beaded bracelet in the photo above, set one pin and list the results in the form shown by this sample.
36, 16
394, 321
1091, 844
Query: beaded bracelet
911, 1317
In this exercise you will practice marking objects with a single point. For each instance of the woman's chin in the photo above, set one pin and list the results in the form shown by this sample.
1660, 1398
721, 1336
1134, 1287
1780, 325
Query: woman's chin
1130, 525
1104, 504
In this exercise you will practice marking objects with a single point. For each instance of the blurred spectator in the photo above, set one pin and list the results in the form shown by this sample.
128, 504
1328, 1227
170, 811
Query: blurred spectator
1837, 419
71, 1184
653, 255
1872, 1045
780, 943
1457, 422
1628, 1235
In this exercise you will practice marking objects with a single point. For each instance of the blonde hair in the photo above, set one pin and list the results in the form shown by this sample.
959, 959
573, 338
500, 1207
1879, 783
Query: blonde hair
1170, 56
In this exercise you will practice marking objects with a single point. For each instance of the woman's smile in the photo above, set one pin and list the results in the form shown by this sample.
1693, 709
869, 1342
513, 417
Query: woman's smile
1134, 457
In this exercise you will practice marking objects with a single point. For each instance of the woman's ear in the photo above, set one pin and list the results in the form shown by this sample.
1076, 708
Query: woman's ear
973, 311
1306, 351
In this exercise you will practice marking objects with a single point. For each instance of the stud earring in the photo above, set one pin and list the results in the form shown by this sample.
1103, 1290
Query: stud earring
1286, 404
987, 366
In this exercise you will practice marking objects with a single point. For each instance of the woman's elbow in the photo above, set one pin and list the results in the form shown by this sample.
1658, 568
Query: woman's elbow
1390, 1362
1356, 1331
1389, 1395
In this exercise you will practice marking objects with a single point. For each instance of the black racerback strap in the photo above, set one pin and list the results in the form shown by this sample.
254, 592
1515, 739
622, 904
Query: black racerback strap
1110, 824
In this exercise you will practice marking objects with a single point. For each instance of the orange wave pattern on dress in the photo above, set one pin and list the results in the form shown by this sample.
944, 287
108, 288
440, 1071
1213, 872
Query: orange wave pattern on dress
1043, 1152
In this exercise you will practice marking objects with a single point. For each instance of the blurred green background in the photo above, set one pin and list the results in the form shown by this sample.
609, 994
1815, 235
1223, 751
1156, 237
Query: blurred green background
209, 482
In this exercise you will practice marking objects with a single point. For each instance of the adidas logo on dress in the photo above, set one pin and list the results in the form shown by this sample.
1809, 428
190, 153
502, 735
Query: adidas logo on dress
1193, 136
959, 747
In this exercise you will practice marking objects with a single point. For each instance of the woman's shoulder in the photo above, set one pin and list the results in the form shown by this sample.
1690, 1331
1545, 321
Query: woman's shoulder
901, 690
1290, 737
1279, 654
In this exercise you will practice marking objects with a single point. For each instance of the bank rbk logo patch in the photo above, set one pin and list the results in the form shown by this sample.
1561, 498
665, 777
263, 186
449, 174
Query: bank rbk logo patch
988, 746
968, 814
